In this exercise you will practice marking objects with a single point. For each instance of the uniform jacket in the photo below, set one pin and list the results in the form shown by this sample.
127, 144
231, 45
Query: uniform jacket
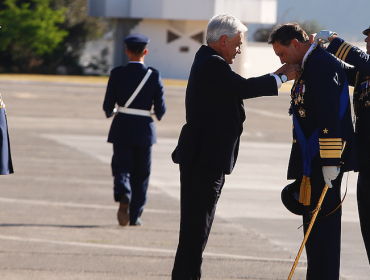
129, 129
358, 77
215, 111
6, 166
316, 103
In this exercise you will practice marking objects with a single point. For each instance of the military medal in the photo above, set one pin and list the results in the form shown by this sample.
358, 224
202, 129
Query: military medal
302, 112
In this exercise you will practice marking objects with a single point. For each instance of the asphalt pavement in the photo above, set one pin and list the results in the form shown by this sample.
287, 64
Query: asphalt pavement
58, 217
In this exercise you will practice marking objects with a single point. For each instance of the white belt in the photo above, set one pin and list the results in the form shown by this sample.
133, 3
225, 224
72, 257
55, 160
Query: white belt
132, 111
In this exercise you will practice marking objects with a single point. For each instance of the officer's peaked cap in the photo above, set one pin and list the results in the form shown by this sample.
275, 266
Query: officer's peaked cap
366, 31
290, 198
136, 40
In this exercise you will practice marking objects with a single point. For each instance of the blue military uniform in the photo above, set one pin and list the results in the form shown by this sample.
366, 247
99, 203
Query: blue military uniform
133, 135
322, 136
6, 166
359, 77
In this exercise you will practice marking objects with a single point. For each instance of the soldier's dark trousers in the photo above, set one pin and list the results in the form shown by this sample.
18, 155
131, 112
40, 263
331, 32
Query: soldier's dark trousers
131, 170
363, 203
323, 244
200, 190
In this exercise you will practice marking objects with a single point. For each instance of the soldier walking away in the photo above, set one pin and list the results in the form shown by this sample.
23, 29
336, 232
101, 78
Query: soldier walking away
135, 89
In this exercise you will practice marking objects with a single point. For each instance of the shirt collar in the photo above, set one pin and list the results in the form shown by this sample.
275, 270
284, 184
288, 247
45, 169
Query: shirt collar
136, 62
307, 53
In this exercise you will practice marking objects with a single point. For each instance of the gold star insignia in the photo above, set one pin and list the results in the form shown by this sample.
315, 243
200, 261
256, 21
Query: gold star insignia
326, 131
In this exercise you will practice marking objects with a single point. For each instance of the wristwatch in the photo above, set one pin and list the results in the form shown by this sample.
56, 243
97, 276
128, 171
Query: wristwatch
282, 77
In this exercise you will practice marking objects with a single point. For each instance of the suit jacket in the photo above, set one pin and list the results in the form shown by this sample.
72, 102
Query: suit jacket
215, 111
358, 77
316, 101
129, 129
6, 166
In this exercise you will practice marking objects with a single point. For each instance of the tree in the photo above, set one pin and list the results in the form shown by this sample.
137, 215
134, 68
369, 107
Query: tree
41, 35
311, 26
81, 28
28, 33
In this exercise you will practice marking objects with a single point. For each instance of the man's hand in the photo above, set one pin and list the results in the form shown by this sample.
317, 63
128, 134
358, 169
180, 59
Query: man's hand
292, 71
325, 36
330, 173
312, 38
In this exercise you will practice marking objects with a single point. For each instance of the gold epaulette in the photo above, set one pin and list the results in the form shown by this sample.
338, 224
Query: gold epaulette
343, 51
330, 147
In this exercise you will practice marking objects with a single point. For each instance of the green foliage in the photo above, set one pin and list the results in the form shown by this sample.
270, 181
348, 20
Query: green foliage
28, 33
81, 28
311, 26
38, 36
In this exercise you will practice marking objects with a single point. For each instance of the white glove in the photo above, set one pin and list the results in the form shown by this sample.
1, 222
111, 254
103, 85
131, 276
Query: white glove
324, 36
330, 173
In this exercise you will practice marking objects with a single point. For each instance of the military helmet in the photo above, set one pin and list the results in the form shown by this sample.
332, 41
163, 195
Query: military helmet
366, 31
290, 198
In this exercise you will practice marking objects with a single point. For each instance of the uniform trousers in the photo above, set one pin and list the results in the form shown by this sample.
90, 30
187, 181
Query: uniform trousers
131, 170
323, 243
200, 190
363, 203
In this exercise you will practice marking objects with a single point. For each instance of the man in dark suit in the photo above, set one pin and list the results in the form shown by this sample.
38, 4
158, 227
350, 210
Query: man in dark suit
358, 77
6, 166
209, 141
323, 144
135, 88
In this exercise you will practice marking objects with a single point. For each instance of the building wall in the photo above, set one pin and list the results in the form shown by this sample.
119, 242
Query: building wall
169, 57
165, 56
182, 19
256, 11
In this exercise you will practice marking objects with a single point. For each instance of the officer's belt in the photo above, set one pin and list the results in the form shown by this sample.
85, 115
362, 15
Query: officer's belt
132, 111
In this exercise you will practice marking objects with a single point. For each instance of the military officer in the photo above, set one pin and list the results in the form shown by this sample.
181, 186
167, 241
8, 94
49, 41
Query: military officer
6, 166
135, 89
323, 142
359, 77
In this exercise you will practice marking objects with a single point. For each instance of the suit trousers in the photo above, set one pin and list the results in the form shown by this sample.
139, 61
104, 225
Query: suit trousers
131, 167
200, 190
323, 243
363, 203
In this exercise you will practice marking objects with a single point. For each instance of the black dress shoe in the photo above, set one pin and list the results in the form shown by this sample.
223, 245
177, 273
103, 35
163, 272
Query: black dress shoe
123, 215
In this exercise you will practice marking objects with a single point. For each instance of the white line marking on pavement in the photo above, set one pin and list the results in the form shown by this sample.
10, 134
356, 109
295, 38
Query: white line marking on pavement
141, 249
76, 205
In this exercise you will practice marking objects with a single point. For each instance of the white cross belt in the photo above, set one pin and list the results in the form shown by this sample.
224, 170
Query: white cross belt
132, 111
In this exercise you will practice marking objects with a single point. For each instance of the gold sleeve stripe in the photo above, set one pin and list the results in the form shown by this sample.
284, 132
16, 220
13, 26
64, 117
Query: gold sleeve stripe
330, 153
345, 50
346, 53
330, 139
331, 147
331, 143
340, 49
345, 46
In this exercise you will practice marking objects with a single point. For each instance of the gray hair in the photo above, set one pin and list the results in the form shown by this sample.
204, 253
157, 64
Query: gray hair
224, 25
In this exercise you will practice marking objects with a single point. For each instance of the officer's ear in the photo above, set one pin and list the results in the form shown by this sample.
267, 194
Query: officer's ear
295, 44
145, 52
